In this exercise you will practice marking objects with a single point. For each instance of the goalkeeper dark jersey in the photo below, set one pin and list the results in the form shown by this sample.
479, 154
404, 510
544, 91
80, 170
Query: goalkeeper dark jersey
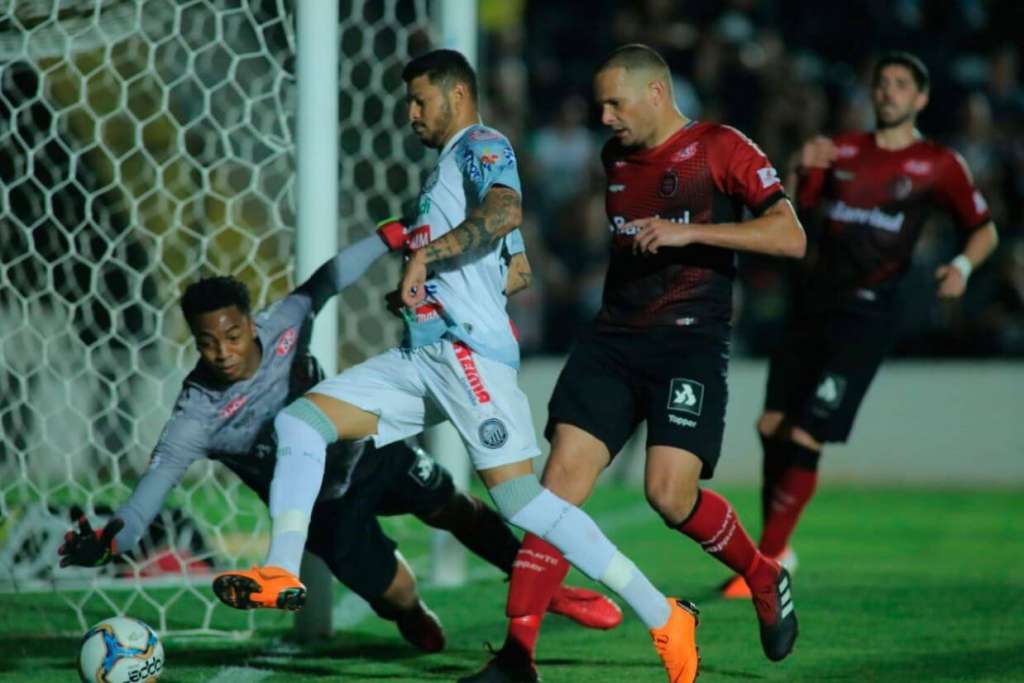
704, 173
233, 422
874, 203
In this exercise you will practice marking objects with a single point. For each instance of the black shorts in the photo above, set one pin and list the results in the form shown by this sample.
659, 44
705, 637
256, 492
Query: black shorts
672, 377
345, 532
825, 365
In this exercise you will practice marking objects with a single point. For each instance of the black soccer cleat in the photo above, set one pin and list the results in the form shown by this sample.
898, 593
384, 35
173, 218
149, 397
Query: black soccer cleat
777, 615
505, 667
421, 628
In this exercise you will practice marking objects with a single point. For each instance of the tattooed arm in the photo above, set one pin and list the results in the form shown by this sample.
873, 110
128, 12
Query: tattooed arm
500, 213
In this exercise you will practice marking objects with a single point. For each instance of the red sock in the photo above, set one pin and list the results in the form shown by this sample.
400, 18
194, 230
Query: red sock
537, 573
790, 495
713, 524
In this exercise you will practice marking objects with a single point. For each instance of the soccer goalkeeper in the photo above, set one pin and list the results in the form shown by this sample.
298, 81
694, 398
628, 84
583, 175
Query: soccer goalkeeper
250, 367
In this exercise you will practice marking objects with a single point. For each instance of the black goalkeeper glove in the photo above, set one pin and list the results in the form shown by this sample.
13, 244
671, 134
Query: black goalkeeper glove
84, 547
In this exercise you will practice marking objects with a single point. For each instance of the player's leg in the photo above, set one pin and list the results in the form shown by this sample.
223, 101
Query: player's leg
348, 406
568, 531
346, 534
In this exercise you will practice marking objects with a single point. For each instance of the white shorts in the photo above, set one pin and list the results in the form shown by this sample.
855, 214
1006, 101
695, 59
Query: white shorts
409, 390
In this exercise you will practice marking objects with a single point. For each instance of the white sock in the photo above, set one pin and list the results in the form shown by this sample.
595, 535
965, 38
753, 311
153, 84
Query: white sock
298, 474
573, 532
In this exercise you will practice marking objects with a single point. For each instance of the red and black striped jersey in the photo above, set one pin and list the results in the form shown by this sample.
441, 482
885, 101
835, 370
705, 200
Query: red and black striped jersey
704, 173
874, 203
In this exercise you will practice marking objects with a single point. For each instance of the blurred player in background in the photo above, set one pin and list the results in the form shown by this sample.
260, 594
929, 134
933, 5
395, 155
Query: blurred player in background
459, 361
875, 191
249, 368
658, 350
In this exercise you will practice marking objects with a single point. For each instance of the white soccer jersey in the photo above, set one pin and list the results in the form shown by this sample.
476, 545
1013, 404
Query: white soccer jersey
466, 294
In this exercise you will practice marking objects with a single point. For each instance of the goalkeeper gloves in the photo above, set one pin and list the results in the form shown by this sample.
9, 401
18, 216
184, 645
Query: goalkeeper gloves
84, 547
394, 233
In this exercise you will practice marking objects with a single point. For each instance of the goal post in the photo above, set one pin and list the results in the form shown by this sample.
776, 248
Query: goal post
143, 144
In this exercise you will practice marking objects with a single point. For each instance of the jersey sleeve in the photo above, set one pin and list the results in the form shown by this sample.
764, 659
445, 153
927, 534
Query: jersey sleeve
293, 311
182, 442
337, 273
745, 173
955, 190
486, 159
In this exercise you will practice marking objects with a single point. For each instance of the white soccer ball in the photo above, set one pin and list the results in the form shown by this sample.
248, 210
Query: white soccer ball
120, 650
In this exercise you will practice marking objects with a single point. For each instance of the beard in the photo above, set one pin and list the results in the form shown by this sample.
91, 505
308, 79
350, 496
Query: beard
434, 136
894, 121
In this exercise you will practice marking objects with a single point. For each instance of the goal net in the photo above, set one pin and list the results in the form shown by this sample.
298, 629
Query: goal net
144, 143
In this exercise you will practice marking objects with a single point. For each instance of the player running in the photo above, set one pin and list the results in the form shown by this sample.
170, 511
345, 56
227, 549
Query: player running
458, 362
249, 368
659, 348
875, 191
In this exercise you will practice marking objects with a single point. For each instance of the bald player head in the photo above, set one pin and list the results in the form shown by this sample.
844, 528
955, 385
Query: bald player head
633, 88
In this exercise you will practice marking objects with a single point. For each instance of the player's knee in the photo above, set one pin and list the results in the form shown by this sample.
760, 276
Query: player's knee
770, 422
671, 500
303, 413
803, 438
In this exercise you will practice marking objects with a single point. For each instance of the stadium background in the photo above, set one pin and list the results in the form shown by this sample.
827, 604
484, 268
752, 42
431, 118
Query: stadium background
944, 413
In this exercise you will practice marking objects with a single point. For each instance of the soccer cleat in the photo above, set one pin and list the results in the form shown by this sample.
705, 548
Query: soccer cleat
775, 611
736, 588
676, 642
505, 667
586, 607
421, 628
270, 587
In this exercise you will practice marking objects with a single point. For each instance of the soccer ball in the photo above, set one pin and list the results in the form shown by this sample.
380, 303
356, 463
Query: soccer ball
120, 650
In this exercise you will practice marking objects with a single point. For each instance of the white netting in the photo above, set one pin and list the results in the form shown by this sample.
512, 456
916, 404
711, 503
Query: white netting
144, 143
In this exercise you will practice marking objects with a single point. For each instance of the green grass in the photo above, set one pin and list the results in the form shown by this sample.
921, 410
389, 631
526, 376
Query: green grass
894, 585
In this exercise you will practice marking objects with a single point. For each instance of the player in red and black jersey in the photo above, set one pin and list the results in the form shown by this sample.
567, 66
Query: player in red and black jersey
874, 191
658, 350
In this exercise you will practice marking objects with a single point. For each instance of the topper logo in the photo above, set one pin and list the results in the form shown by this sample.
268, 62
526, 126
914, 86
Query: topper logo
686, 152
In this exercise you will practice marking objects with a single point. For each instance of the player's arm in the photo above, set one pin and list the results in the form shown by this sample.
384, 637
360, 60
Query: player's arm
519, 274
954, 189
808, 163
500, 213
86, 547
776, 232
952, 277
349, 264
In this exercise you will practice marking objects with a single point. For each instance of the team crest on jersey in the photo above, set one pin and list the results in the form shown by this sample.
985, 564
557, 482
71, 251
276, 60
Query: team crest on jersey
686, 152
901, 187
286, 342
669, 184
917, 167
493, 433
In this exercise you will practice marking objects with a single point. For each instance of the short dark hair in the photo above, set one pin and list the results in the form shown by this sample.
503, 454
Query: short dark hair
911, 62
213, 293
444, 68
635, 56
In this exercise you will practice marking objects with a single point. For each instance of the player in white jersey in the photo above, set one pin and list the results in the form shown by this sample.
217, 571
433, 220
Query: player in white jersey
458, 362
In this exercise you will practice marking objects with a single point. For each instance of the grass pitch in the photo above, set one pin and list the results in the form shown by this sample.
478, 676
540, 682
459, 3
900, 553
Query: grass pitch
893, 585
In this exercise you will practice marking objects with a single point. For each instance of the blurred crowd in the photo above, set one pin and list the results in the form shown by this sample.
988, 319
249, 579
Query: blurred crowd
781, 71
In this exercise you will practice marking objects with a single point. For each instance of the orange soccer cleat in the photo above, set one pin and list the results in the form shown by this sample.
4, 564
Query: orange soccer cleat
586, 607
269, 587
676, 642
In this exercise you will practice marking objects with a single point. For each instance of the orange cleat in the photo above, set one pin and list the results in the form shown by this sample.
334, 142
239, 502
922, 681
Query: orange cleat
586, 607
269, 587
676, 642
